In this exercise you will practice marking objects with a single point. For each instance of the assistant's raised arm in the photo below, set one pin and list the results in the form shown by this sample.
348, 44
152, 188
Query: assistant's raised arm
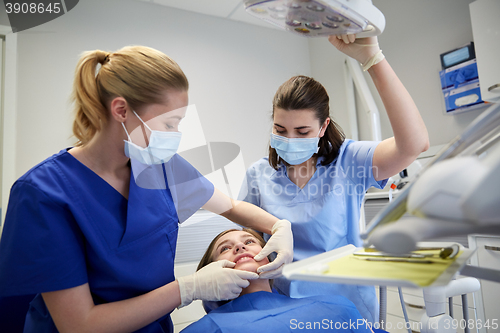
410, 134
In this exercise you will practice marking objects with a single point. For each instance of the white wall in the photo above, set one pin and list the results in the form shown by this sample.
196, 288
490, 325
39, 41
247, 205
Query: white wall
233, 68
416, 33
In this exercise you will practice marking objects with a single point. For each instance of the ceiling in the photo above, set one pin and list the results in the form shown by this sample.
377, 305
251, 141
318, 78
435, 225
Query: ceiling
229, 9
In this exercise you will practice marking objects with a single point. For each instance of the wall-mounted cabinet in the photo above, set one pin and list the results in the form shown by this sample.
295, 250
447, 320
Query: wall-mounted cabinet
486, 31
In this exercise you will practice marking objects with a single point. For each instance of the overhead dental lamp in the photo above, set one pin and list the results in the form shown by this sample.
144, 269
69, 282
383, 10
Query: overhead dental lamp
320, 18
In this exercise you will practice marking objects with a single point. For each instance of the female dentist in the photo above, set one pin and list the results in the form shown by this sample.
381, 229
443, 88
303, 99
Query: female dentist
95, 246
317, 179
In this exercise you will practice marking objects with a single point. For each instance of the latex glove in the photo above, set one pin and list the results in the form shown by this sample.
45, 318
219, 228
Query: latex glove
280, 242
214, 282
360, 49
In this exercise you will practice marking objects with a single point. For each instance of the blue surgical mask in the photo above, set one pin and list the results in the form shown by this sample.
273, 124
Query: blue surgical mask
296, 150
162, 146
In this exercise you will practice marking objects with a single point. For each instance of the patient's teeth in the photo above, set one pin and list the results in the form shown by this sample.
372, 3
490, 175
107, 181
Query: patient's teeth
247, 258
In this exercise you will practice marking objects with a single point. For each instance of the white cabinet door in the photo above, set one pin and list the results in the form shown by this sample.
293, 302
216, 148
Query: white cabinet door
485, 16
487, 256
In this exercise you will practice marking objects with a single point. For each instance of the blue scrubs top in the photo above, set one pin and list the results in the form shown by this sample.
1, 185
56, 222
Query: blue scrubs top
66, 226
268, 312
324, 214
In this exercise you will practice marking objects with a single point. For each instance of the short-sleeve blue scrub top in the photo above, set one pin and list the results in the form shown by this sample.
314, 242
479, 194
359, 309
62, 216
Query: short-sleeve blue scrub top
324, 214
65, 226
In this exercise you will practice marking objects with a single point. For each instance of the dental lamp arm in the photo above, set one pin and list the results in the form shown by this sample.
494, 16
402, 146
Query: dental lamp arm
401, 237
456, 196
483, 124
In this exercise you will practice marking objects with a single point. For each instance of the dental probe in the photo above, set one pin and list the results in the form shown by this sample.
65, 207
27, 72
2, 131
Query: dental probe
381, 254
416, 261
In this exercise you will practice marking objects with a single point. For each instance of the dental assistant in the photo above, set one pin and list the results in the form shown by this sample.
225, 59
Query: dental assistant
93, 243
317, 179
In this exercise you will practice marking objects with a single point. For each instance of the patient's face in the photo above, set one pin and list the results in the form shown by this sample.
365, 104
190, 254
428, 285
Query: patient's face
239, 247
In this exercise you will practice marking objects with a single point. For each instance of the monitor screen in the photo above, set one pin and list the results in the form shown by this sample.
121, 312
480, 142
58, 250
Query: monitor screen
458, 56
455, 57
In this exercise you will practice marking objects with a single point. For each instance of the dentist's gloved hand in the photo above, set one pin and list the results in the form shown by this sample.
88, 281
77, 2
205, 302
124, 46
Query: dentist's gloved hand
364, 50
214, 282
280, 242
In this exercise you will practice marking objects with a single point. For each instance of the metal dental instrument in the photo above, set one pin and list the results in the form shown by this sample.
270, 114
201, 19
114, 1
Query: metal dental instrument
389, 255
449, 252
407, 260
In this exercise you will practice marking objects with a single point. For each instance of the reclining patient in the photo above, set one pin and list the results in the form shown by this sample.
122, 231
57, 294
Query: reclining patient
257, 309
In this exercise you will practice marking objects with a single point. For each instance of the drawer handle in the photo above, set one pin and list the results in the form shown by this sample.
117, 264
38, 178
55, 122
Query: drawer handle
415, 306
493, 87
492, 248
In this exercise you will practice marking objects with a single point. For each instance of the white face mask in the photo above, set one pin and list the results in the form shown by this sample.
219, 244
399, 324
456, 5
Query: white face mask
162, 146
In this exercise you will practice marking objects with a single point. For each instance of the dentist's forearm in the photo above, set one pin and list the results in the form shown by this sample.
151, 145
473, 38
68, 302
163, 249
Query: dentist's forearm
73, 309
250, 216
240, 212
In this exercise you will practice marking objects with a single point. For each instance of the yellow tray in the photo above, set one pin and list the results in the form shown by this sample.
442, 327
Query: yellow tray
341, 266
